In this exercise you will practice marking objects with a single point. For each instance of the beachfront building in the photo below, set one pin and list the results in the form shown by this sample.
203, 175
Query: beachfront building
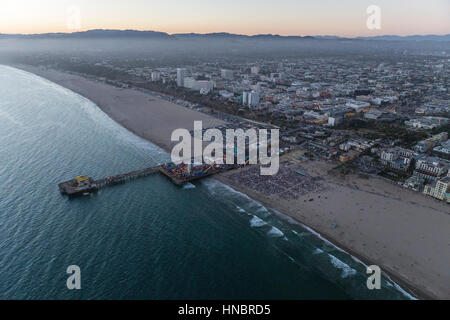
397, 158
181, 75
414, 183
431, 168
439, 190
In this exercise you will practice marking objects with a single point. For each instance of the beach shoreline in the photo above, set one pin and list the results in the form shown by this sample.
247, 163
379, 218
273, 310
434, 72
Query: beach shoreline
137, 111
408, 287
146, 116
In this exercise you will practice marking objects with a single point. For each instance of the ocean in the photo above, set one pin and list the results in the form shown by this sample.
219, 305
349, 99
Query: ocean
146, 239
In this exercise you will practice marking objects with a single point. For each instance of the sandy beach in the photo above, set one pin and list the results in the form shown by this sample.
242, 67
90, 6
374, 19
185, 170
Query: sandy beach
403, 232
147, 116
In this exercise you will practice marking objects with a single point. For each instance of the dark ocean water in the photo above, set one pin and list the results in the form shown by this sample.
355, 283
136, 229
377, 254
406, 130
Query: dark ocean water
146, 239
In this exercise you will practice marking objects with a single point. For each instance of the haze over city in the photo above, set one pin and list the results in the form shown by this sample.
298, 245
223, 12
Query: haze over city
289, 17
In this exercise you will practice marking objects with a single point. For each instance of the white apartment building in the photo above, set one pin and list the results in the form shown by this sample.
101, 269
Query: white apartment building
397, 158
431, 168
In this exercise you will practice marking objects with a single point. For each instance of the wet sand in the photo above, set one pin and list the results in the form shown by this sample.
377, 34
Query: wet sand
402, 231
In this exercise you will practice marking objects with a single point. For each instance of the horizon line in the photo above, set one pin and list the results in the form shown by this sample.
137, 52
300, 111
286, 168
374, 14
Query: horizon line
224, 32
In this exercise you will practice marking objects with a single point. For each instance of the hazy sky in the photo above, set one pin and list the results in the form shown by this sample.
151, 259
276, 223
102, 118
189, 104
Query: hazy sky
286, 17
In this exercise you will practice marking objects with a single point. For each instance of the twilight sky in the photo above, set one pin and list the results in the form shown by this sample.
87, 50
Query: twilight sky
285, 17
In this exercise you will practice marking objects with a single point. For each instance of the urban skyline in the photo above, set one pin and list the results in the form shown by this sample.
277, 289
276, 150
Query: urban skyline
344, 18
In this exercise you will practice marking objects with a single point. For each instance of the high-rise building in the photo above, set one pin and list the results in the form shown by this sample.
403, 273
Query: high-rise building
253, 99
245, 98
181, 74
156, 76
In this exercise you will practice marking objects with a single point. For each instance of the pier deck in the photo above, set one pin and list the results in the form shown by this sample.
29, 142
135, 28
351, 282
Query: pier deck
86, 185
121, 178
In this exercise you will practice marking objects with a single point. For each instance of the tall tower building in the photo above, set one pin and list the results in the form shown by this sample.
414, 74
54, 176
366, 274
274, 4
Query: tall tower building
181, 74
245, 98
156, 76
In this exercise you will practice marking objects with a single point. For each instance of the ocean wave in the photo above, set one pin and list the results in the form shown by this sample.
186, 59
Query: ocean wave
290, 258
240, 209
347, 271
301, 234
275, 232
215, 187
189, 186
256, 222
399, 288
322, 238
263, 210
317, 251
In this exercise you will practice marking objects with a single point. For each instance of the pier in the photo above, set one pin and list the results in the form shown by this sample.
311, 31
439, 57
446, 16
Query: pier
177, 173
121, 178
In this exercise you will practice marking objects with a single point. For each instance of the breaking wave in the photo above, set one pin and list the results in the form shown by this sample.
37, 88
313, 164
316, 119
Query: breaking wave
317, 251
256, 222
347, 271
275, 232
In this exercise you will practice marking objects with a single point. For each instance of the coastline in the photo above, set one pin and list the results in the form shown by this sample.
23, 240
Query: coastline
408, 288
148, 117
401, 231
141, 114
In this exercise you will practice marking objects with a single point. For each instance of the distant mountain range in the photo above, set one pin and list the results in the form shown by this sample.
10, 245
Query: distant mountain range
101, 33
